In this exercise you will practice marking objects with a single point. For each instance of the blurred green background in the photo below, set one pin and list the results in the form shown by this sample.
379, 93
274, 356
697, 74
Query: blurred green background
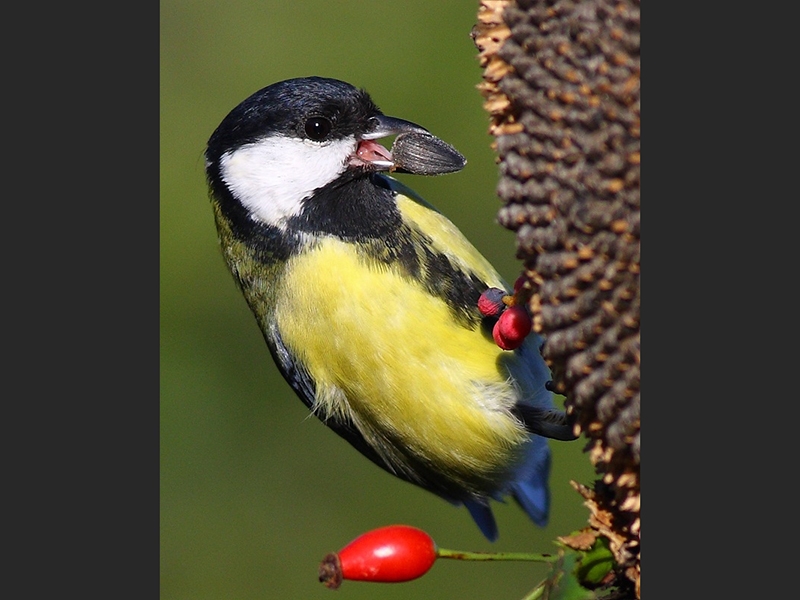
253, 492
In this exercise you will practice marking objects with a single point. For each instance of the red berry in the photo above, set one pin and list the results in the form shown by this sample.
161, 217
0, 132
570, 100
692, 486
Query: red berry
491, 302
512, 327
519, 283
389, 554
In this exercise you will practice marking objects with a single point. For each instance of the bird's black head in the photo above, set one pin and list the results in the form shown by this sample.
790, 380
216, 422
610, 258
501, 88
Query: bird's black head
317, 109
302, 151
273, 152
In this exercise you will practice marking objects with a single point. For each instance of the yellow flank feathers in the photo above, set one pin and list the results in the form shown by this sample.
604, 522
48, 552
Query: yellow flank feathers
366, 335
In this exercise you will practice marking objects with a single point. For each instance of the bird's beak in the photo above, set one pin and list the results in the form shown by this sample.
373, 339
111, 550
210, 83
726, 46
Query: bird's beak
415, 150
385, 126
370, 153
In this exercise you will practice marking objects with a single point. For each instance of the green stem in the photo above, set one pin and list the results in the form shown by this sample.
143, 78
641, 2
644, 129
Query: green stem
527, 556
536, 593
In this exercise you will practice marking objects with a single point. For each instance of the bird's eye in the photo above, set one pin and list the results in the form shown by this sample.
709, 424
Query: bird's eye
318, 128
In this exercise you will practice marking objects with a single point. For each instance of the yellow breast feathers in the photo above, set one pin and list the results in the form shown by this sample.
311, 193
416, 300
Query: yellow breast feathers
390, 357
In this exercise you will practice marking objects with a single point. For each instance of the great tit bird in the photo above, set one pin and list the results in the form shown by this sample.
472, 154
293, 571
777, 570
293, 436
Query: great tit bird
367, 296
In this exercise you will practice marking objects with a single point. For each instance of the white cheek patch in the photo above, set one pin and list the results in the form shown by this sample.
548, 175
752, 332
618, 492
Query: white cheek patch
272, 176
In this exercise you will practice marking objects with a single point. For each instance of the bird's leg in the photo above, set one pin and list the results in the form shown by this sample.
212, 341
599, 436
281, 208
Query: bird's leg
550, 423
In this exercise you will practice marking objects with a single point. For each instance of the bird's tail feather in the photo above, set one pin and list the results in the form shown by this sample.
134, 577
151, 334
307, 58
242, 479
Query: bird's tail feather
531, 489
483, 517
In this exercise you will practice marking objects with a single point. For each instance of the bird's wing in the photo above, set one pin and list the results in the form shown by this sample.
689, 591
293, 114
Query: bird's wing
441, 236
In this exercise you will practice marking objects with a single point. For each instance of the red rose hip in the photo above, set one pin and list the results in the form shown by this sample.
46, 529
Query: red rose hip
389, 554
